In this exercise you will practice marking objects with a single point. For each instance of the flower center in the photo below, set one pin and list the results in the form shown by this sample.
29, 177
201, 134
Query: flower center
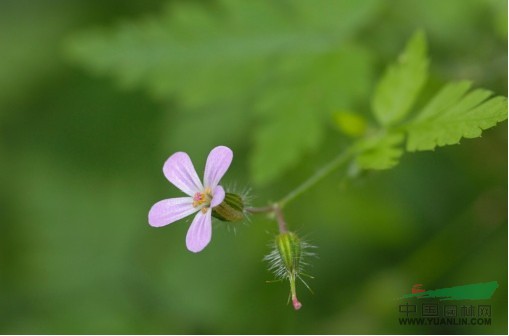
202, 199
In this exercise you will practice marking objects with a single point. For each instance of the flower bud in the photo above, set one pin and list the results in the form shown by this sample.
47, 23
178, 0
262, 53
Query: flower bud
231, 209
285, 261
289, 248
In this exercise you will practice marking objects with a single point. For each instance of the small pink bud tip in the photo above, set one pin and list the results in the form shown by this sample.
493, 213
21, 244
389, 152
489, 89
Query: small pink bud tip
296, 304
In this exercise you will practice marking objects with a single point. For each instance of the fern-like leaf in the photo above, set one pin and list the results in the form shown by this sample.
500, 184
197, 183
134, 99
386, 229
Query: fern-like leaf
402, 82
455, 113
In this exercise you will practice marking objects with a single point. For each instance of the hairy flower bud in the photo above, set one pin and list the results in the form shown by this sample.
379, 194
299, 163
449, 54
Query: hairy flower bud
231, 209
285, 261
289, 248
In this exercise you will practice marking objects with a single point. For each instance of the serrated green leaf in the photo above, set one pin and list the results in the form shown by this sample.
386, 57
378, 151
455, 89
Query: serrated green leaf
381, 151
455, 113
401, 83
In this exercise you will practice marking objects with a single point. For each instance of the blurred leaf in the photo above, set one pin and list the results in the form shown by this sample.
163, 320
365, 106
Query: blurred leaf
349, 123
216, 124
401, 83
209, 53
381, 151
296, 110
280, 143
452, 114
499, 9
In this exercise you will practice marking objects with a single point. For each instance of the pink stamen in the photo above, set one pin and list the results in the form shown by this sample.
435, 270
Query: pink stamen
198, 197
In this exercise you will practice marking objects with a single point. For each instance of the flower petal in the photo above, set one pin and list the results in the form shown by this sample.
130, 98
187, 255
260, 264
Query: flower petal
218, 162
217, 196
200, 232
170, 210
180, 171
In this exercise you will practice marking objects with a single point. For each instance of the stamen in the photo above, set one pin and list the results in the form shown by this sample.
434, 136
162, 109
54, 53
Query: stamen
198, 199
202, 198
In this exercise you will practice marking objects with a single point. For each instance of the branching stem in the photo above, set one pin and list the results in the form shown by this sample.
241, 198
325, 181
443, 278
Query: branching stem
272, 209
280, 219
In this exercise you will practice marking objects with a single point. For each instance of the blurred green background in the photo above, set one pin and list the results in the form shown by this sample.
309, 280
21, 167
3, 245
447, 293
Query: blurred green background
94, 96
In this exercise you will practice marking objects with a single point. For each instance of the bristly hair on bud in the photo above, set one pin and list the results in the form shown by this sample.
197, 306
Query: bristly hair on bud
233, 208
233, 212
287, 261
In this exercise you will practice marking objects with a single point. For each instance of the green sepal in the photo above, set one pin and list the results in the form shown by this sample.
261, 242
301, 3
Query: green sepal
231, 209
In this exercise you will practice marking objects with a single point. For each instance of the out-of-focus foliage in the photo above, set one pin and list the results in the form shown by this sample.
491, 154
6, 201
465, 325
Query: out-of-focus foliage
81, 160
380, 151
350, 123
402, 82
226, 54
263, 54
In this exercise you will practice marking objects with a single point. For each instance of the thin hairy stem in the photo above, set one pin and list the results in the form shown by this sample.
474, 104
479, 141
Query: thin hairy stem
276, 208
265, 209
280, 219
317, 177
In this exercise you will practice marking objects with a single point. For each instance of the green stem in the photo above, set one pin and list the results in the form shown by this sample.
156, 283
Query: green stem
280, 219
317, 177
276, 208
269, 208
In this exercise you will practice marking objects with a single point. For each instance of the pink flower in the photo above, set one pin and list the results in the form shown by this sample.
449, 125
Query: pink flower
179, 170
